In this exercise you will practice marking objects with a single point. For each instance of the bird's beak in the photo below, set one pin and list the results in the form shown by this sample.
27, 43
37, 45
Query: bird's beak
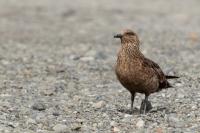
118, 36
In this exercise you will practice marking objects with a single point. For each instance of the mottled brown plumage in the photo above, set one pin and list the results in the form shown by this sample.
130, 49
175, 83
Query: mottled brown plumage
137, 73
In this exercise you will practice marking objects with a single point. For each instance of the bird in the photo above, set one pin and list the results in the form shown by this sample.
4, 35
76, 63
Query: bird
137, 73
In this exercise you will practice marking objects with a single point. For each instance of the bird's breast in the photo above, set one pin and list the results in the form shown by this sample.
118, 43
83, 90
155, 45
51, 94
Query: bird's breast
127, 69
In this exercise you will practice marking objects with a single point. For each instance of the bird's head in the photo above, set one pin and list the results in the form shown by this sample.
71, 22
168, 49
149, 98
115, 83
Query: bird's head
128, 36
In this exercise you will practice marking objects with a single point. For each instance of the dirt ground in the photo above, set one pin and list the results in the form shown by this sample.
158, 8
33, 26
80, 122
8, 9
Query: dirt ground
57, 65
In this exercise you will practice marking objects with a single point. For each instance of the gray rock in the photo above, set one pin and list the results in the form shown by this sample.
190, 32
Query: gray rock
39, 106
76, 127
86, 59
31, 121
60, 128
116, 129
140, 123
180, 95
174, 121
48, 92
99, 104
113, 123
100, 55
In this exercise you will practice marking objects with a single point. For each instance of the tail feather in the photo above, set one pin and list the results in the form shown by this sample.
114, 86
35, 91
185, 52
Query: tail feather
171, 77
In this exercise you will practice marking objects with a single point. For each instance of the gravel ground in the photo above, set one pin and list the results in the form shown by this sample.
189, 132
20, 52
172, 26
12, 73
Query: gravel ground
57, 58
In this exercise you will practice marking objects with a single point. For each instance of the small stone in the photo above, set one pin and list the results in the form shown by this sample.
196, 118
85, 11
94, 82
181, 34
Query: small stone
140, 124
180, 95
99, 104
159, 130
56, 113
74, 57
48, 92
31, 121
59, 87
76, 127
174, 121
178, 84
100, 55
194, 107
5, 62
60, 69
89, 58
39, 106
100, 86
115, 129
71, 85
127, 115
76, 98
113, 123
100, 124
194, 36
163, 94
60, 128
13, 124
94, 125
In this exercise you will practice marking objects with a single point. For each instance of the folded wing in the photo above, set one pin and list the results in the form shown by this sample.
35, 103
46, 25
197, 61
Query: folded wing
163, 83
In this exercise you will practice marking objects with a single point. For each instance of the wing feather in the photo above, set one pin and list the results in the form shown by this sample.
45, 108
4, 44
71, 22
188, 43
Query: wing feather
163, 83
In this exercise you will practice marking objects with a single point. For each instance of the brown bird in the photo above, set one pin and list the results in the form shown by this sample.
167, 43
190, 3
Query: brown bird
137, 73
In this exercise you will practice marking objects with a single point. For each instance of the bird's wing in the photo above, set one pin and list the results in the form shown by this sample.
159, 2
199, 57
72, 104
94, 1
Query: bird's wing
163, 83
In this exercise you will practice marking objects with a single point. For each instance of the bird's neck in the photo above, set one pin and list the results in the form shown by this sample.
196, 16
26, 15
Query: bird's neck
132, 50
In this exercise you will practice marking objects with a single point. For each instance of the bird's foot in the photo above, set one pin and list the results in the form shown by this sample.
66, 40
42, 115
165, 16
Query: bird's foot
145, 107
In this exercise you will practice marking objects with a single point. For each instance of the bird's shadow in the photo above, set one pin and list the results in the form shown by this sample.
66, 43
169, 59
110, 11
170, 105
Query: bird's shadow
128, 111
159, 109
137, 111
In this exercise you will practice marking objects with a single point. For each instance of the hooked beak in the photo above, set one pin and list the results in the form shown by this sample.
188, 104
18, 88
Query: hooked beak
118, 36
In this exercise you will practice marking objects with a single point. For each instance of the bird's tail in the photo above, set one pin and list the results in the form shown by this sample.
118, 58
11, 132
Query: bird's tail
171, 77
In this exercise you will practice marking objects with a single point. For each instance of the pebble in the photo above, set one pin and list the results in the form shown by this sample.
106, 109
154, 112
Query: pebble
55, 113
163, 94
101, 55
127, 115
127, 118
194, 107
71, 85
178, 84
48, 92
180, 95
140, 123
76, 98
159, 130
60, 69
113, 123
38, 106
85, 59
74, 57
31, 121
174, 121
99, 104
115, 129
60, 128
5, 62
76, 127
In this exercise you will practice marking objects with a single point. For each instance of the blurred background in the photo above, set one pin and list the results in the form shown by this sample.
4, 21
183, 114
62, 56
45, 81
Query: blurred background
57, 60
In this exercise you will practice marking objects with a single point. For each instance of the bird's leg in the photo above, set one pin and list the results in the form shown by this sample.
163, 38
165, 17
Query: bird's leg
148, 106
132, 100
145, 106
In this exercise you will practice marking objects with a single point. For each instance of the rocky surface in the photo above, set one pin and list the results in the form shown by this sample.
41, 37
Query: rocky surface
57, 58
